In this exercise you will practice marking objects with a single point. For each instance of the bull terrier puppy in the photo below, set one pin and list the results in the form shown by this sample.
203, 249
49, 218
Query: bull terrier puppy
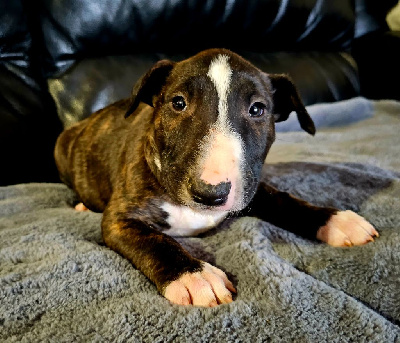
183, 153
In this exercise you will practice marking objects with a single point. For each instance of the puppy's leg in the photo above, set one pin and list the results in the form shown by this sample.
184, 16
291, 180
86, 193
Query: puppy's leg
181, 278
337, 228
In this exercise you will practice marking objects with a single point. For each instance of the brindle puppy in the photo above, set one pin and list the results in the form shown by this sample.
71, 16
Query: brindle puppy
179, 156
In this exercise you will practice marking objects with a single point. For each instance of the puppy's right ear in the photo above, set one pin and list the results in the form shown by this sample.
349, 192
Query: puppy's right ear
149, 85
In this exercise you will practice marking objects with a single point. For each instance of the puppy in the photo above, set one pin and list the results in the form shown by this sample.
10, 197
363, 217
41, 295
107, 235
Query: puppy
184, 152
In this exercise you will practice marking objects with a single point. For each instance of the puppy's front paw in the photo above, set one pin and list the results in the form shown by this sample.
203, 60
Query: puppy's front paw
207, 288
347, 228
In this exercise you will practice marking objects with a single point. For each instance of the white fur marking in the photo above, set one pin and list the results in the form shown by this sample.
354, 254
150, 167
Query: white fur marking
223, 147
220, 74
157, 163
222, 163
185, 221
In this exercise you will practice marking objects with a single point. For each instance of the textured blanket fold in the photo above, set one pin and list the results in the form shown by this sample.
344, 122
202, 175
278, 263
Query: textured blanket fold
59, 283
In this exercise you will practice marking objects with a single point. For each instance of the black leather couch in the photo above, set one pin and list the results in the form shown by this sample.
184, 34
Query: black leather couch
62, 60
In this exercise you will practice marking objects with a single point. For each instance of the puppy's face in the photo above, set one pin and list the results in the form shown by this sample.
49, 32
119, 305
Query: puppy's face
214, 119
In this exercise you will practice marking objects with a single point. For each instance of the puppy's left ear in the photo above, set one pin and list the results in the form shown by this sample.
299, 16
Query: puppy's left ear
286, 99
149, 85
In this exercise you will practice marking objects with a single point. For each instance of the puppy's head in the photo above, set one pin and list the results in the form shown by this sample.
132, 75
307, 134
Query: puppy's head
214, 122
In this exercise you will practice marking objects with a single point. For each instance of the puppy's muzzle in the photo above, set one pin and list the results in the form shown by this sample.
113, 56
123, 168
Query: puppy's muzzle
210, 195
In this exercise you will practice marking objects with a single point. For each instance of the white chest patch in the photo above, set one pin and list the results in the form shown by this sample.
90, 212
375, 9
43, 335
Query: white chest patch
185, 221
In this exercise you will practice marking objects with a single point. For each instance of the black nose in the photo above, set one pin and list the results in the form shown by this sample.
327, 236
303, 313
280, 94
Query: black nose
210, 195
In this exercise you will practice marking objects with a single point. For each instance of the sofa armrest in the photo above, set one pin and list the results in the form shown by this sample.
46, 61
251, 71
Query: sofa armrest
28, 130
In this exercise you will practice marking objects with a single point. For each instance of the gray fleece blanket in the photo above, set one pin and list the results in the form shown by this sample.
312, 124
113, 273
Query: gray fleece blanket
59, 283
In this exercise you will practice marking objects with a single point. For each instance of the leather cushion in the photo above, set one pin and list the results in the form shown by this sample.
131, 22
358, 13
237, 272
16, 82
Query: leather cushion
15, 39
76, 29
28, 121
371, 16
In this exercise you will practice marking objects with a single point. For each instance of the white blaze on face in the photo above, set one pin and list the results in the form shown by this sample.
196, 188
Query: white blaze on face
220, 74
222, 149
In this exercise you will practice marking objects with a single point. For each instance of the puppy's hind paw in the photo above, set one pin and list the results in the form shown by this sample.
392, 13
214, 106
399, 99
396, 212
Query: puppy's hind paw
347, 228
81, 207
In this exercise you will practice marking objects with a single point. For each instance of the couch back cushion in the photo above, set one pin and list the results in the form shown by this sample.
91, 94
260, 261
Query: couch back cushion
74, 29
15, 39
96, 50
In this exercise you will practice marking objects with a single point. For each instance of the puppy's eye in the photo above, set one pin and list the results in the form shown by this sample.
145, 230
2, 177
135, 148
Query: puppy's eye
256, 110
178, 103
